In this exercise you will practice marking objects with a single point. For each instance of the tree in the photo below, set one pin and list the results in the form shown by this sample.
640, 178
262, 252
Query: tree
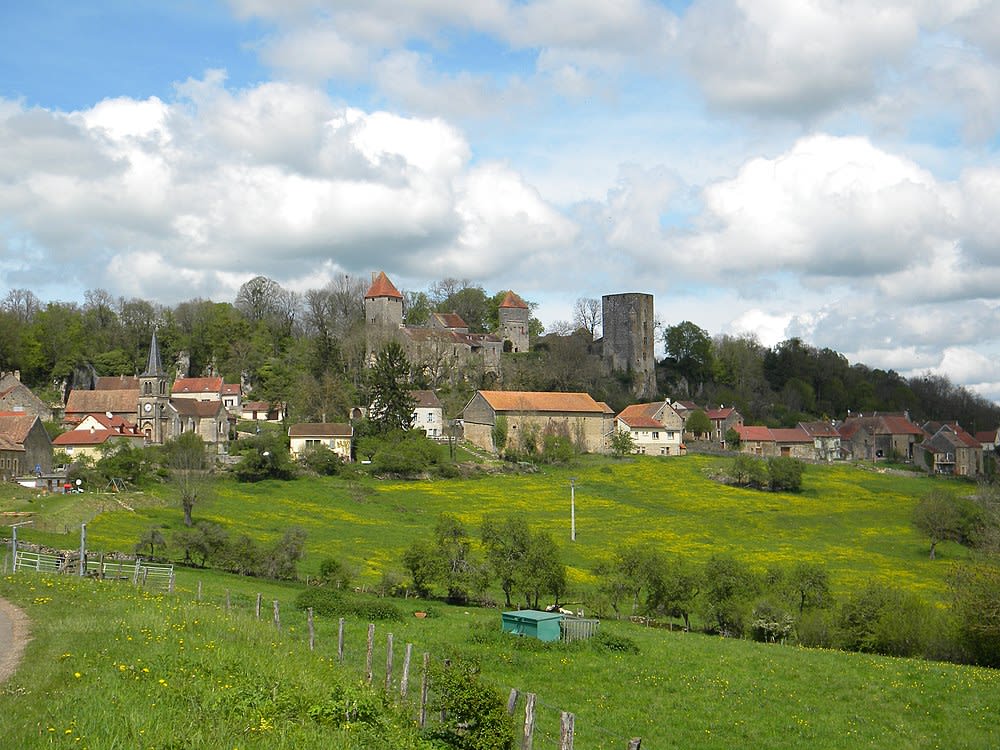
698, 424
587, 314
543, 571
810, 585
500, 428
729, 585
785, 473
939, 517
626, 575
188, 467
975, 591
689, 351
391, 403
507, 544
281, 561
151, 537
265, 456
748, 471
622, 443
673, 589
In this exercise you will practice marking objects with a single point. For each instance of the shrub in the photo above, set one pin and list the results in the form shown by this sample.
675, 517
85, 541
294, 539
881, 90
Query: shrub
475, 714
332, 603
334, 573
323, 461
619, 644
884, 620
785, 473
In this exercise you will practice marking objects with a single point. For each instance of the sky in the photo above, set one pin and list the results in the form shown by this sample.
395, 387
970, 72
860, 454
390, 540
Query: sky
826, 169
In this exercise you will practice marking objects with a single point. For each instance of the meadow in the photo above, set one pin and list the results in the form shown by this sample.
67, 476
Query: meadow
853, 520
679, 690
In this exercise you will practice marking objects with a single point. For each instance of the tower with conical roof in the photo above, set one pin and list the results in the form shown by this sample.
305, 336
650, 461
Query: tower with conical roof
153, 396
514, 315
383, 303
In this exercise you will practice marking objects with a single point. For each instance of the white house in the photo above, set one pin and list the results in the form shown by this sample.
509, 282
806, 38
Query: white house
428, 414
656, 428
330, 435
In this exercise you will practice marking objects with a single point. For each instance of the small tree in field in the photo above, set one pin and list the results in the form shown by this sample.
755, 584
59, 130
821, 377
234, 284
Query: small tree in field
188, 466
622, 443
939, 517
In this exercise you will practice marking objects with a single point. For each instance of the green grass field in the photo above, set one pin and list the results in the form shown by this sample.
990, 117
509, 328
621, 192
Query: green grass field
681, 690
853, 520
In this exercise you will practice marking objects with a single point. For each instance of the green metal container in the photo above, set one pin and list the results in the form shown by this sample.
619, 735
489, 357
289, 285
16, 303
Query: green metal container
529, 622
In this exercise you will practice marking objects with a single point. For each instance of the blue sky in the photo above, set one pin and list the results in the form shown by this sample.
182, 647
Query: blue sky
788, 167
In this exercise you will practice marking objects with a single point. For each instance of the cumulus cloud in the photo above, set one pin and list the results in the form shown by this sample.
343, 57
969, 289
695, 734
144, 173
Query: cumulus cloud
192, 196
793, 57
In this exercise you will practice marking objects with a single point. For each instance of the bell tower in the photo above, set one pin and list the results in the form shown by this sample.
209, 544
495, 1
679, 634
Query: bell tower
153, 397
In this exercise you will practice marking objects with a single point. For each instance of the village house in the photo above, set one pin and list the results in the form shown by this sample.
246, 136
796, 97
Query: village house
16, 396
428, 413
656, 428
723, 419
262, 411
879, 436
768, 442
989, 440
95, 431
826, 440
949, 449
25, 447
530, 415
332, 436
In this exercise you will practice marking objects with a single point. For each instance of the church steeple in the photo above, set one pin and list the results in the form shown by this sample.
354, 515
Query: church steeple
153, 414
154, 367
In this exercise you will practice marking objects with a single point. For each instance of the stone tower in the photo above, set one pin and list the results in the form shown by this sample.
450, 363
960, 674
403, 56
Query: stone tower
153, 397
628, 339
383, 303
514, 314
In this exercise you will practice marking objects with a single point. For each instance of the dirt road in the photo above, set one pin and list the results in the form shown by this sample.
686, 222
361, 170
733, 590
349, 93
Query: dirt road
14, 636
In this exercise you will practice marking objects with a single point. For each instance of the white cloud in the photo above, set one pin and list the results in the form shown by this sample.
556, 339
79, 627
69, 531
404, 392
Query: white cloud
793, 57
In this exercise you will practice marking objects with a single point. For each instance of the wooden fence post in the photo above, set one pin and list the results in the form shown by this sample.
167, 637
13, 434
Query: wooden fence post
170, 583
529, 722
312, 632
340, 640
388, 663
228, 602
404, 680
566, 731
277, 616
259, 595
512, 701
634, 743
199, 582
424, 685
371, 649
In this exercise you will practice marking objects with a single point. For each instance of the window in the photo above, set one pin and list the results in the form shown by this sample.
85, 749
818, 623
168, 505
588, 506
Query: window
656, 436
430, 416
310, 443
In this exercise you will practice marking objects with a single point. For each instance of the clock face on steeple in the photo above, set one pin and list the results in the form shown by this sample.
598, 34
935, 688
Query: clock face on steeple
147, 407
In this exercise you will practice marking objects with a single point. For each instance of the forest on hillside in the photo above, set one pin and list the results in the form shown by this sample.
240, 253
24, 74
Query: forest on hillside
308, 350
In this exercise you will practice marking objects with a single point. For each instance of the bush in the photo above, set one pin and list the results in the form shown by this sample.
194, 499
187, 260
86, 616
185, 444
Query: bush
332, 603
405, 453
475, 714
334, 573
614, 643
785, 473
322, 461
884, 620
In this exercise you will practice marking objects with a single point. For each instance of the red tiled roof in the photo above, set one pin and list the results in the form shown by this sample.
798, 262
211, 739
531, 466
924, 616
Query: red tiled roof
988, 436
790, 435
382, 287
512, 300
720, 413
116, 383
189, 407
451, 320
754, 432
819, 429
94, 402
641, 415
84, 437
15, 426
320, 429
541, 401
231, 389
605, 408
898, 425
256, 406
197, 385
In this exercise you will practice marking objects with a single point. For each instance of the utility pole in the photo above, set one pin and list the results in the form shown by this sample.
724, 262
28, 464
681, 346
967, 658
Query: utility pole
572, 509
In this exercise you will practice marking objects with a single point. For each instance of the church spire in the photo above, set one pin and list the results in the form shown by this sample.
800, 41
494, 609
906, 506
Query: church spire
153, 366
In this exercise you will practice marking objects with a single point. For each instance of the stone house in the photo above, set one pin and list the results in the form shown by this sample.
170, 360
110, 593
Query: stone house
879, 436
330, 435
428, 413
769, 442
628, 339
530, 415
723, 419
25, 447
656, 428
199, 389
949, 449
210, 419
826, 440
16, 396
